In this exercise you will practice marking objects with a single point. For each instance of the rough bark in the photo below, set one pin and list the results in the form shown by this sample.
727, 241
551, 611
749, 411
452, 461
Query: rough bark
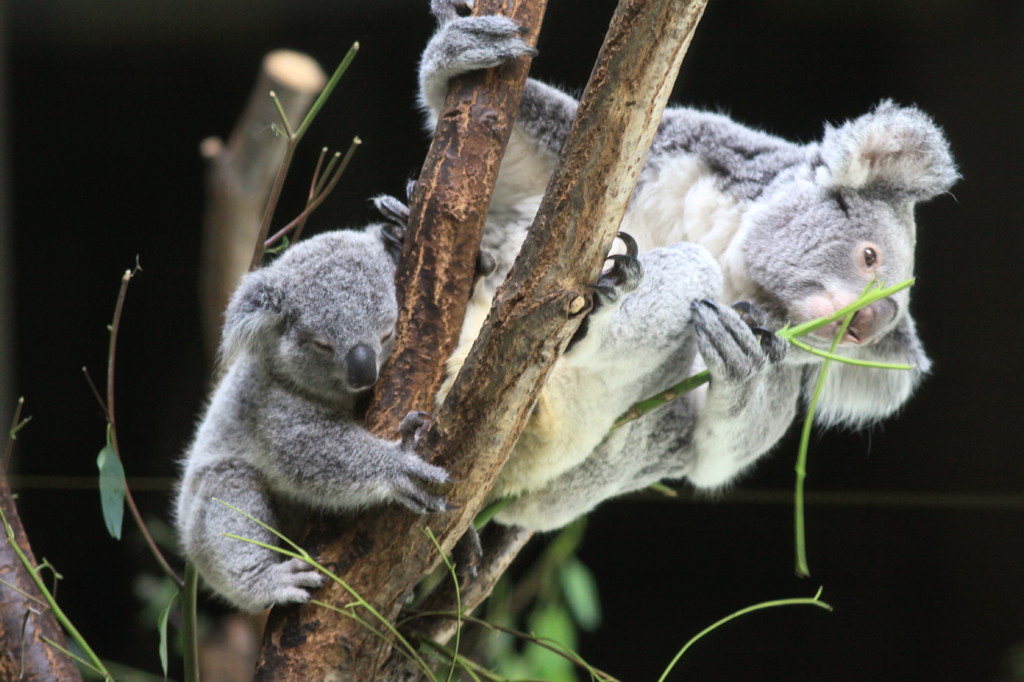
382, 554
25, 619
446, 221
240, 177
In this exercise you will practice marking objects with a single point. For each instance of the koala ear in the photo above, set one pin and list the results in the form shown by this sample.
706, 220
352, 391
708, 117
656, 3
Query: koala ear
891, 149
255, 307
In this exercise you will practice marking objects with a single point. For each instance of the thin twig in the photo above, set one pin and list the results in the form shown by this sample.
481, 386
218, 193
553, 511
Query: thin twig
312, 205
16, 424
112, 430
95, 392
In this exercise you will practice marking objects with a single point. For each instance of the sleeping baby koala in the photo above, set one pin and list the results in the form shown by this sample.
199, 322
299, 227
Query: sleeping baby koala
304, 339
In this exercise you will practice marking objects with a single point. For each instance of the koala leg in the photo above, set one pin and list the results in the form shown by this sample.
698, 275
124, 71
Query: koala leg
751, 398
247, 575
630, 458
636, 345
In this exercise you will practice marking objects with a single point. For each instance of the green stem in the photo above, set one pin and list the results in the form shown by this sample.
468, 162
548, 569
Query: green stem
326, 92
189, 627
813, 601
802, 568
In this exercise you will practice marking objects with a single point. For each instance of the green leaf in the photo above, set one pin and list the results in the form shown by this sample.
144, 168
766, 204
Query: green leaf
581, 595
161, 626
553, 624
280, 247
111, 490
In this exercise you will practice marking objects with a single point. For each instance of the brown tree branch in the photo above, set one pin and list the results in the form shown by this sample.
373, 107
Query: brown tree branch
240, 177
446, 221
26, 620
434, 282
536, 311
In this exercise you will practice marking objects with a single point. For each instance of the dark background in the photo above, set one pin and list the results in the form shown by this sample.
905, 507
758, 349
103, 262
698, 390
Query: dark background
915, 529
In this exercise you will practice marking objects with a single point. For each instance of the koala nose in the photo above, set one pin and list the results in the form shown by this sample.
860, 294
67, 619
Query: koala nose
869, 320
361, 366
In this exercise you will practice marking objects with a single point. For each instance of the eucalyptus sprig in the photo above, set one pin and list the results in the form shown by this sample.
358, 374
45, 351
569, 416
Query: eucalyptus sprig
400, 643
873, 293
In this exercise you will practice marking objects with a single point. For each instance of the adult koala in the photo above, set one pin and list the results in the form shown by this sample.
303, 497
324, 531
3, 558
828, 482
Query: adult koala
797, 230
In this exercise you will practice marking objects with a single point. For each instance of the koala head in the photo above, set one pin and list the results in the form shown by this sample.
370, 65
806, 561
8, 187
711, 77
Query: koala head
825, 229
321, 316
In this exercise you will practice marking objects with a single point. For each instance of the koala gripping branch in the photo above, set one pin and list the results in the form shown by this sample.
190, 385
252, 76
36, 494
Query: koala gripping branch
382, 555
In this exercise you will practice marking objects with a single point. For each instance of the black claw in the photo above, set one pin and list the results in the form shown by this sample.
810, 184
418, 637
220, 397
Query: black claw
392, 209
709, 304
631, 247
485, 264
620, 261
448, 506
744, 307
393, 238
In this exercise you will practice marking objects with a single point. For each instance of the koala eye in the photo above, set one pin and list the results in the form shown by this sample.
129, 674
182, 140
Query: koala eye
870, 257
386, 338
322, 344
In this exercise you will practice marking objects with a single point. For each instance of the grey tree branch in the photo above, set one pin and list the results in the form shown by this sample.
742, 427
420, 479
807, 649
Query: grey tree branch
240, 176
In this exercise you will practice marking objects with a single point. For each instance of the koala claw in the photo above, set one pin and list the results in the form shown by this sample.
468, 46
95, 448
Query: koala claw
729, 344
414, 472
410, 493
412, 428
755, 318
623, 276
394, 211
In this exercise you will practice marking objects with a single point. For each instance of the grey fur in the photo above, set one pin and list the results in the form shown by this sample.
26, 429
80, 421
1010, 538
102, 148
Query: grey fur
798, 230
303, 340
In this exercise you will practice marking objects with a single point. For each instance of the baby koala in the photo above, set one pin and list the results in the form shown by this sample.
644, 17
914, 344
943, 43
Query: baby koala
304, 339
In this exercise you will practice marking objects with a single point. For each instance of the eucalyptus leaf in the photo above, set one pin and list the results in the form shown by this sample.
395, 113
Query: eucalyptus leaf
111, 490
580, 591
552, 623
161, 626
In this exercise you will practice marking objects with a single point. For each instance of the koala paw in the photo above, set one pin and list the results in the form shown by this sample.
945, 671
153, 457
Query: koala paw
291, 581
413, 472
394, 211
622, 277
447, 10
732, 342
473, 43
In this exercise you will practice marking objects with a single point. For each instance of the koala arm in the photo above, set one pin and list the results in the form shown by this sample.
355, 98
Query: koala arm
332, 462
248, 576
750, 400
465, 44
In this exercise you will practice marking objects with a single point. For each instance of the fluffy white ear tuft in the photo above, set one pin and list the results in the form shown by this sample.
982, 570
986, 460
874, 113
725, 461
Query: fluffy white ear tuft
894, 149
255, 307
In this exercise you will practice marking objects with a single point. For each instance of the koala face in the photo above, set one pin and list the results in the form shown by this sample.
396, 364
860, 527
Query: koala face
827, 228
321, 317
814, 250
